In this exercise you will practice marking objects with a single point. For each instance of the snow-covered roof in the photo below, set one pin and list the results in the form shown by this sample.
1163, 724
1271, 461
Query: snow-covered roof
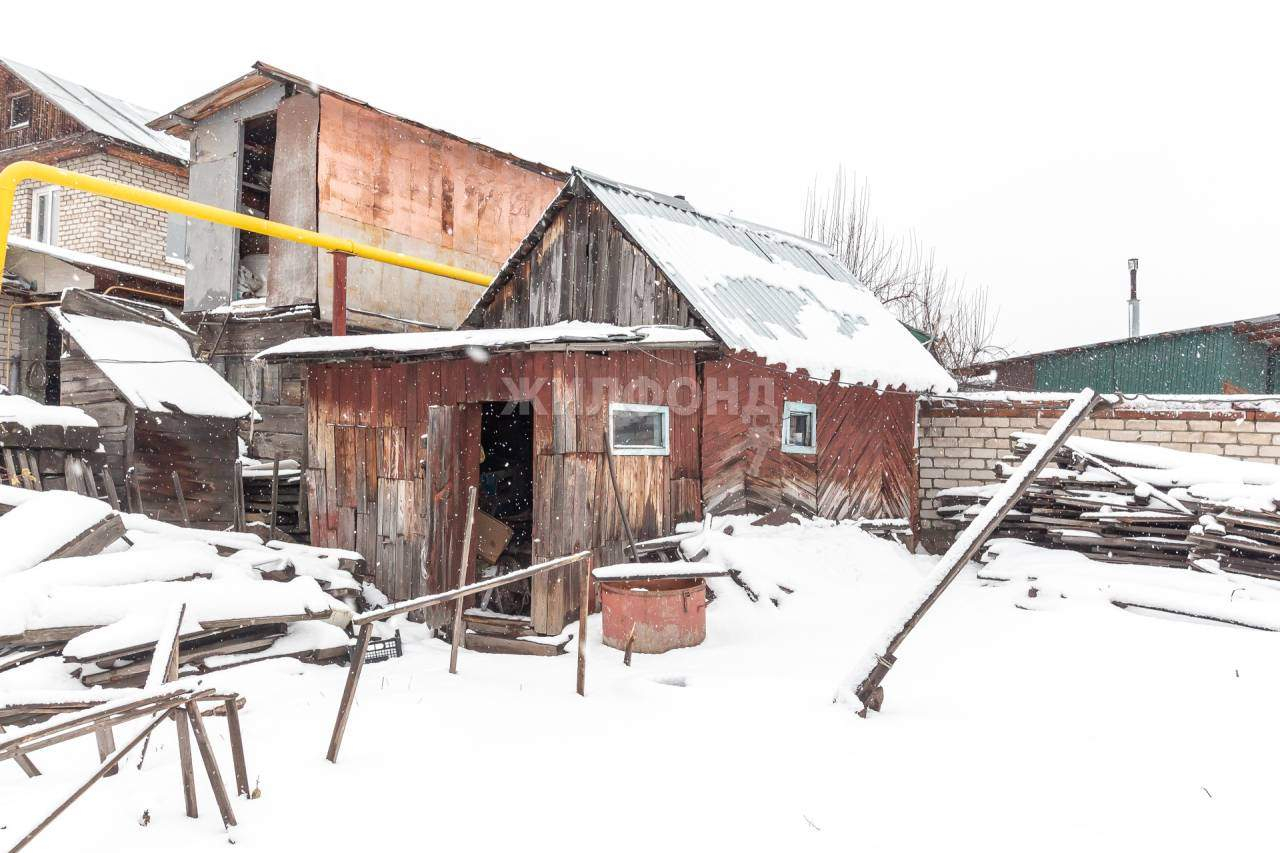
84, 259
780, 296
434, 343
101, 113
27, 413
152, 367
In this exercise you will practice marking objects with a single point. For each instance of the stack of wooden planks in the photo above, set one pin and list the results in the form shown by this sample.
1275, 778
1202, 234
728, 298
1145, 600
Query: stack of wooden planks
86, 584
1133, 504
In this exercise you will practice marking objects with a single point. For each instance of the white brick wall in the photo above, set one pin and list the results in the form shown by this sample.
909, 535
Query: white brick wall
100, 226
961, 449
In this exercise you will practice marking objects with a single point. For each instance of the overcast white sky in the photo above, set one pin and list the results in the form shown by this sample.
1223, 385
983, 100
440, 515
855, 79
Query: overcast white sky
1037, 146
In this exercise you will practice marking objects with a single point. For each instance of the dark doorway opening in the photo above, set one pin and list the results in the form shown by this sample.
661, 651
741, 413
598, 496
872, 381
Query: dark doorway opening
506, 495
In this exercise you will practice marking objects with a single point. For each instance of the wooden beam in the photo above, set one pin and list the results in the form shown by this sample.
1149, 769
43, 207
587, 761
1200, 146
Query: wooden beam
462, 592
210, 765
865, 681
184, 763
456, 637
584, 610
237, 746
108, 764
349, 691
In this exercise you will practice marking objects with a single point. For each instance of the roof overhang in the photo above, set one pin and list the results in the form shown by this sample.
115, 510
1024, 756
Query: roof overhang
478, 343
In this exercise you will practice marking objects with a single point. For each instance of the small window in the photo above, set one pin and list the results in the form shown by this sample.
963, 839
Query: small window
638, 430
44, 215
799, 428
19, 111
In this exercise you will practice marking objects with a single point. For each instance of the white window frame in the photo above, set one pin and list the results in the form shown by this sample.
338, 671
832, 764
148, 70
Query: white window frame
13, 99
654, 450
51, 193
788, 409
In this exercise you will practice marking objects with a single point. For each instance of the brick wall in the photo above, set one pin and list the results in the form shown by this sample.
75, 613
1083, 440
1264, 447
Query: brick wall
961, 439
105, 227
8, 335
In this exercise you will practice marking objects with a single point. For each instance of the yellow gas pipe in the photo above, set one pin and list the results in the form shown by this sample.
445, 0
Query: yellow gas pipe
25, 170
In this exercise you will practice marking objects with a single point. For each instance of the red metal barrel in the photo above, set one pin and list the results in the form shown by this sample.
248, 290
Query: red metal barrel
665, 614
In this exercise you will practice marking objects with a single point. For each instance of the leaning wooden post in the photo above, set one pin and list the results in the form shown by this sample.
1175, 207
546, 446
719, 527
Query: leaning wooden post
24, 762
210, 765
106, 744
182, 500
584, 610
617, 497
110, 486
107, 765
185, 766
862, 685
275, 496
456, 638
349, 691
237, 747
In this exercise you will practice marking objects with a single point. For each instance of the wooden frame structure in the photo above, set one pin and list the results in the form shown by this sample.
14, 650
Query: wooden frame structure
365, 622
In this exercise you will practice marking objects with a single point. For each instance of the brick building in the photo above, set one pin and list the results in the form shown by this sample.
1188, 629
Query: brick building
961, 437
61, 238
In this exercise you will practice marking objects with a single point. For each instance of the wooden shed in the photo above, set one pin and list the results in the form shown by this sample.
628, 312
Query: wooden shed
400, 425
160, 411
811, 400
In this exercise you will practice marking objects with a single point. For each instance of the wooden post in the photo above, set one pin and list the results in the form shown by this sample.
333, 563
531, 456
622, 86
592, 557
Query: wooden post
239, 497
349, 691
210, 765
106, 745
182, 500
184, 762
275, 496
617, 496
110, 486
107, 765
339, 293
237, 747
456, 638
584, 610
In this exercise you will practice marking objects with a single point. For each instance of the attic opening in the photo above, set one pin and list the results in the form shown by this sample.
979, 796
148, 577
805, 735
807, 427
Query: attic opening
259, 151
506, 494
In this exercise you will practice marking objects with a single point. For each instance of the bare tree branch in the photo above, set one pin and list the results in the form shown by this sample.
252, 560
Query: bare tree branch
903, 273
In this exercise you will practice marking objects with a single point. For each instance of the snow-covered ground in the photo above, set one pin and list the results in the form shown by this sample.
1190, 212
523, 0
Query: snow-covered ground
1073, 726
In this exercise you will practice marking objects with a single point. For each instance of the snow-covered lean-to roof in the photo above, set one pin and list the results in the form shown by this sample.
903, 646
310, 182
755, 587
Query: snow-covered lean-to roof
152, 367
784, 298
470, 340
101, 113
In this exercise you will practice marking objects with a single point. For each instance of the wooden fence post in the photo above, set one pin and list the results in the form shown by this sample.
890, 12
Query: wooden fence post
584, 610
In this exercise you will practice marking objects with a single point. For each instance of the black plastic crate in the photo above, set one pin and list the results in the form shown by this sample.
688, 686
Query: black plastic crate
380, 650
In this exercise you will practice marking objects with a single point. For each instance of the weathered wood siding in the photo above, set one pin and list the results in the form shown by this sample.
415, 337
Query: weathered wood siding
584, 268
369, 489
47, 121
86, 387
864, 466
202, 451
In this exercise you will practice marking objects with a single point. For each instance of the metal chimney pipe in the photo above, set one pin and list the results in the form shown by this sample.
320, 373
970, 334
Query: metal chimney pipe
1133, 298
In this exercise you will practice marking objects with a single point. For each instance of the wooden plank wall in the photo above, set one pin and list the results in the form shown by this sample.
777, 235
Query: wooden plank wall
584, 268
366, 482
47, 121
202, 451
865, 461
86, 387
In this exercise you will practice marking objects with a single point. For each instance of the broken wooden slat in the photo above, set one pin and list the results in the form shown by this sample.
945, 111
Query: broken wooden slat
349, 690
93, 539
27, 765
232, 711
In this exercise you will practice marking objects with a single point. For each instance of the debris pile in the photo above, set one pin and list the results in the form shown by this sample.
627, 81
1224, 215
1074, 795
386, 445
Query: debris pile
1137, 504
91, 585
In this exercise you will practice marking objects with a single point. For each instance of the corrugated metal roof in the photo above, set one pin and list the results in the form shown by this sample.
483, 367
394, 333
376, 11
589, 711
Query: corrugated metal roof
101, 113
780, 296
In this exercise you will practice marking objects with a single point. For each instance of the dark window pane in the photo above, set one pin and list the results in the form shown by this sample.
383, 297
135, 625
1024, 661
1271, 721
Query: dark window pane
637, 429
19, 110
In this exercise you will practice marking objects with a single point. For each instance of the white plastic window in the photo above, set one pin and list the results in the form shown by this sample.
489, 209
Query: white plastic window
799, 428
636, 430
44, 215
